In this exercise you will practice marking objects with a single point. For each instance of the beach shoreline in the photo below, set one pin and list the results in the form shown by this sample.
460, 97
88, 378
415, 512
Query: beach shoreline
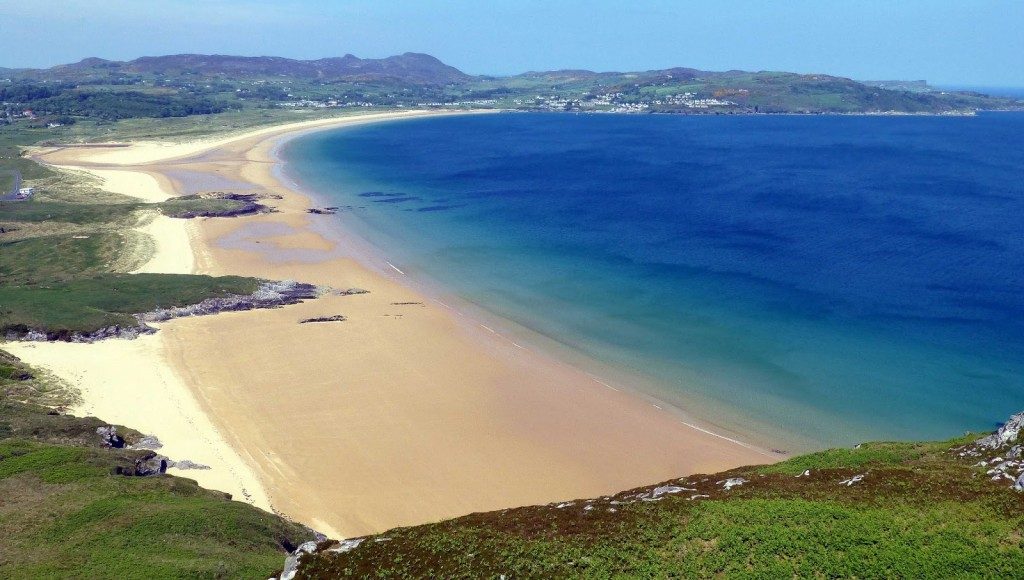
403, 413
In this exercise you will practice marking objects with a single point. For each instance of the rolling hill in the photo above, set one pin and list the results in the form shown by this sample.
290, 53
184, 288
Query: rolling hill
197, 84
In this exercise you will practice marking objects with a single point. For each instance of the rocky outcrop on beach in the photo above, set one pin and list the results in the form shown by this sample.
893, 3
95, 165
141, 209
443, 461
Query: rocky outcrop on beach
109, 437
247, 204
148, 462
349, 292
187, 464
334, 318
148, 442
271, 294
323, 210
25, 333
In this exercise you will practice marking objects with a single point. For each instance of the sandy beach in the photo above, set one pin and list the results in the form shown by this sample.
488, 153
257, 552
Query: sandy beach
404, 413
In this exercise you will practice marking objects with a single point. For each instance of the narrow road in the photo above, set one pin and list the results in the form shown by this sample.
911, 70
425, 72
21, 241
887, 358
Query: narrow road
13, 193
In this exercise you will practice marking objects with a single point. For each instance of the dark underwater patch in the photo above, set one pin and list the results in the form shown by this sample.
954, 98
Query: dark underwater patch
437, 208
382, 194
396, 199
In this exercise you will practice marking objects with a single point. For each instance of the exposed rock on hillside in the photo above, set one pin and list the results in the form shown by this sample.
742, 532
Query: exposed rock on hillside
998, 454
1007, 433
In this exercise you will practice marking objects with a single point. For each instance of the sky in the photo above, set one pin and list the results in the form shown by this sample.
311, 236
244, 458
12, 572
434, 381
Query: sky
965, 43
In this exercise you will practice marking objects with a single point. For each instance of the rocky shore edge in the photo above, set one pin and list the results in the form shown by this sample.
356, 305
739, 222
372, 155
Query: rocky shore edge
270, 294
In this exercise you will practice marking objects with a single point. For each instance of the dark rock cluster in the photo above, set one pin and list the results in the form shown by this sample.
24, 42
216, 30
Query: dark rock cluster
335, 318
323, 211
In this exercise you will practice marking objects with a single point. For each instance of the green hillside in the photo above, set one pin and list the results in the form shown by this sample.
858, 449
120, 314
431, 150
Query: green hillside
882, 510
185, 85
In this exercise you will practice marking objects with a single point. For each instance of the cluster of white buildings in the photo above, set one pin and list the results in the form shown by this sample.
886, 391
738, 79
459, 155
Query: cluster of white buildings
469, 103
629, 108
692, 101
621, 103
331, 103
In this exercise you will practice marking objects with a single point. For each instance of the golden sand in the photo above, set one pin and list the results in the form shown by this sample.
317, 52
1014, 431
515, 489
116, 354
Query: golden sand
401, 414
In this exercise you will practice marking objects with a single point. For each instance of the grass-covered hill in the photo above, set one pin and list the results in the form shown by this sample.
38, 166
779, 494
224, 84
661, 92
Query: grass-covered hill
881, 510
194, 84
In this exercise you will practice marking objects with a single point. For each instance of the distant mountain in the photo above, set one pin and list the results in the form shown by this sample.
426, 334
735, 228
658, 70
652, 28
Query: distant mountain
188, 84
410, 67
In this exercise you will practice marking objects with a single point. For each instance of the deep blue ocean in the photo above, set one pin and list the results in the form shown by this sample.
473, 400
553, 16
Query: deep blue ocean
810, 280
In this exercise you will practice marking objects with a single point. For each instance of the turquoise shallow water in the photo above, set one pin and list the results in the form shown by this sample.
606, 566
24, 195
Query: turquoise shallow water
813, 280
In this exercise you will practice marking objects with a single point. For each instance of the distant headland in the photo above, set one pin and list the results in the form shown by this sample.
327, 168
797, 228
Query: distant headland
189, 84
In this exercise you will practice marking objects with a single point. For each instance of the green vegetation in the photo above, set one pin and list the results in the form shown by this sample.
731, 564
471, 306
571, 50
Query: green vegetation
64, 512
113, 105
920, 511
62, 258
875, 454
50, 259
63, 277
6, 181
55, 212
190, 206
90, 304
74, 213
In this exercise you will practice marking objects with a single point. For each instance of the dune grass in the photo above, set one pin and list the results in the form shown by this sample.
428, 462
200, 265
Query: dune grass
75, 213
58, 258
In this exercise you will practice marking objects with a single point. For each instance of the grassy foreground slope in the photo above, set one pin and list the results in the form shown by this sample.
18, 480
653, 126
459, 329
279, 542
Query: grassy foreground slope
917, 511
64, 512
